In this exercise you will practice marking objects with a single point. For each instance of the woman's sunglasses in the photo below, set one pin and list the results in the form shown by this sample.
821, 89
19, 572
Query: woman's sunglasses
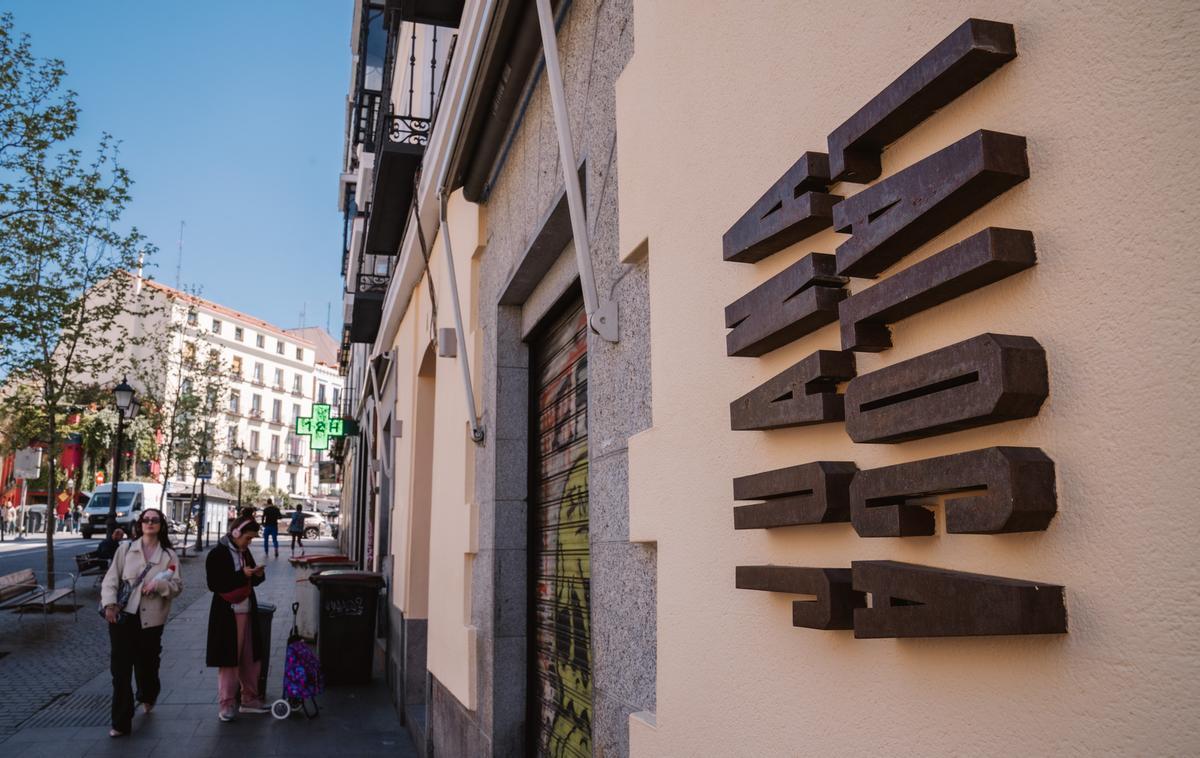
152, 520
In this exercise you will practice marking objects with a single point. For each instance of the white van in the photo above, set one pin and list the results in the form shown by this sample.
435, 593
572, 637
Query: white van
132, 497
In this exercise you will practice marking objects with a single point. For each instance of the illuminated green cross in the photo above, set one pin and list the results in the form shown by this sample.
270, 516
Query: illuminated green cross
320, 427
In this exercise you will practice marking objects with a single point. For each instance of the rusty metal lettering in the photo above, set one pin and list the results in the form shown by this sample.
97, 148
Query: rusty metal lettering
892, 218
983, 380
921, 601
1018, 494
956, 64
979, 260
797, 301
836, 598
803, 394
793, 209
812, 493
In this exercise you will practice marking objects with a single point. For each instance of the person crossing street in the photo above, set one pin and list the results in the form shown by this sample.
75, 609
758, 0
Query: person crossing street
271, 515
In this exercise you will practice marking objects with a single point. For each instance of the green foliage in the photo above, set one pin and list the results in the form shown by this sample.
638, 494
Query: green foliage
251, 490
280, 497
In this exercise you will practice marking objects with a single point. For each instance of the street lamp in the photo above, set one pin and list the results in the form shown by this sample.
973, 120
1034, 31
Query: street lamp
123, 395
239, 455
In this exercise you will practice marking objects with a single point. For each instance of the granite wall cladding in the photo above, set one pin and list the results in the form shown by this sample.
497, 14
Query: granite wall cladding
595, 42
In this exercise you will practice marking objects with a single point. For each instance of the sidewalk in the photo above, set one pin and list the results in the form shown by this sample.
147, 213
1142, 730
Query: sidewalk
354, 721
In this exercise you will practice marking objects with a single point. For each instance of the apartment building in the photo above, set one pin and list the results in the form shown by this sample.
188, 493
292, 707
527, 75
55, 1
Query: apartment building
273, 377
774, 384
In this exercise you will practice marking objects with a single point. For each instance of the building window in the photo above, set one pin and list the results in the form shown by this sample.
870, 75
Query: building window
258, 372
295, 413
239, 333
272, 478
214, 356
259, 341
231, 437
279, 347
277, 411
192, 319
235, 367
254, 442
256, 404
298, 384
279, 378
292, 482
185, 387
216, 326
274, 445
189, 353
299, 353
335, 395
235, 401
321, 392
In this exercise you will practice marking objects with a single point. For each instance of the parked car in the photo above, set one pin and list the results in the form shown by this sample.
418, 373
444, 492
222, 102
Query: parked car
132, 497
314, 524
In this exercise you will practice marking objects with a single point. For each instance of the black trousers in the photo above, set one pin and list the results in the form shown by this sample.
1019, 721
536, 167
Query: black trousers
135, 651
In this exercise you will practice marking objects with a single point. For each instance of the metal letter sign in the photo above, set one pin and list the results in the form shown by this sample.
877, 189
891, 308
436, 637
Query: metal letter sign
985, 380
319, 427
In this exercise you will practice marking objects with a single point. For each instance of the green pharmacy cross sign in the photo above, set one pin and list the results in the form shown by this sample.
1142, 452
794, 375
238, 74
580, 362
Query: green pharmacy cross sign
320, 427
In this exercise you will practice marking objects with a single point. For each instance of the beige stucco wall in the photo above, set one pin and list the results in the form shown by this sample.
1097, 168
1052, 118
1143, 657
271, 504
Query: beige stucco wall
713, 107
435, 584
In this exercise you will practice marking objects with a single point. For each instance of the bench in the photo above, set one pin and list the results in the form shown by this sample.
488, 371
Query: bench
20, 590
91, 564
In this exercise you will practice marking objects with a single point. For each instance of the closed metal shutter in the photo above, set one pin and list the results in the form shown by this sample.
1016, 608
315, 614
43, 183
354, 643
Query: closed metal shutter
561, 686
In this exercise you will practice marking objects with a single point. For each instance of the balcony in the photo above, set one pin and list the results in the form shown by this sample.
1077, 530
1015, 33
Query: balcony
293, 459
236, 376
258, 382
431, 12
369, 292
401, 146
276, 458
255, 414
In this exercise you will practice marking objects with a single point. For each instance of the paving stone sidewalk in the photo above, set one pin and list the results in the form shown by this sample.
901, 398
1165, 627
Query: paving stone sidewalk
354, 721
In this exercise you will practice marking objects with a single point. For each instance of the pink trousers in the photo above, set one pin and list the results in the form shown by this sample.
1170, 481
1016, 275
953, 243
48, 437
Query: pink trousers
245, 673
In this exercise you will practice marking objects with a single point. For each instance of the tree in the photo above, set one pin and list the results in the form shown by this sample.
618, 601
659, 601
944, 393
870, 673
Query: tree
67, 299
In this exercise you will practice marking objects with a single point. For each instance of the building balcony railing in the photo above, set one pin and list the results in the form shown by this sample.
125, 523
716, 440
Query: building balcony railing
258, 382
276, 458
293, 459
236, 376
297, 393
255, 413
233, 412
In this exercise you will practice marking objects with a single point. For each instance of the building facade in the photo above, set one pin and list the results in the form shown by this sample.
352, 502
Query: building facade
271, 378
807, 411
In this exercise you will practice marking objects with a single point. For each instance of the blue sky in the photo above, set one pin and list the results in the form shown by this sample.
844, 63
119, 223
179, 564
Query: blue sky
231, 117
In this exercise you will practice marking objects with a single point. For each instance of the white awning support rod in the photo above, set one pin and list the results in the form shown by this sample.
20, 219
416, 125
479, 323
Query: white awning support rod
602, 315
464, 362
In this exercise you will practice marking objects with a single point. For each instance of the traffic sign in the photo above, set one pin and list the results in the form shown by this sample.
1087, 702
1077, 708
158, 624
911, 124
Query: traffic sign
28, 463
204, 470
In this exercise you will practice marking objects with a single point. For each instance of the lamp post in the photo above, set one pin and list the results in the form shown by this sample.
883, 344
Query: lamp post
123, 396
239, 455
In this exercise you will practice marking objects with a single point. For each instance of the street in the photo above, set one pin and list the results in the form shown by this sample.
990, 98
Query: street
31, 552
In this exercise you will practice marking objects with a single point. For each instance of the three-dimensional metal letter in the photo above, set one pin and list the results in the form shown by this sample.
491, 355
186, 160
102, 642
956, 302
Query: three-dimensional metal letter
794, 208
983, 380
797, 301
892, 218
979, 260
1018, 483
803, 394
922, 601
955, 65
836, 599
811, 493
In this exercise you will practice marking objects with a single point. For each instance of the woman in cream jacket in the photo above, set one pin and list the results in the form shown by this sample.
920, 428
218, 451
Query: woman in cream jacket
135, 631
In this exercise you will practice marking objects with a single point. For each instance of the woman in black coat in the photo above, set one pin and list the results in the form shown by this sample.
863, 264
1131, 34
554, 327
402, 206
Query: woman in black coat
233, 638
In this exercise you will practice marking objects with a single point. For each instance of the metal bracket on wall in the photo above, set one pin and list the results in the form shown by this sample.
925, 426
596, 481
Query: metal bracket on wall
602, 314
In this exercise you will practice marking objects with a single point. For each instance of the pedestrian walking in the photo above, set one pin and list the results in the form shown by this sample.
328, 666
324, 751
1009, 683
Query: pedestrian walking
76, 515
136, 597
233, 645
61, 512
296, 528
10, 517
271, 516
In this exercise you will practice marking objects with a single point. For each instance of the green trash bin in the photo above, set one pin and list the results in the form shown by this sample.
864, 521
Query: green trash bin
346, 628
266, 613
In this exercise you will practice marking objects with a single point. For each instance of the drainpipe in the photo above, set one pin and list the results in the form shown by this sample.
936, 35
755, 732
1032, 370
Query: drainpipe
602, 314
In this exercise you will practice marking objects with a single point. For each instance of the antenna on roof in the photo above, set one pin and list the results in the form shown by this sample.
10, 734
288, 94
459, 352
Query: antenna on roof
303, 314
179, 260
328, 310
